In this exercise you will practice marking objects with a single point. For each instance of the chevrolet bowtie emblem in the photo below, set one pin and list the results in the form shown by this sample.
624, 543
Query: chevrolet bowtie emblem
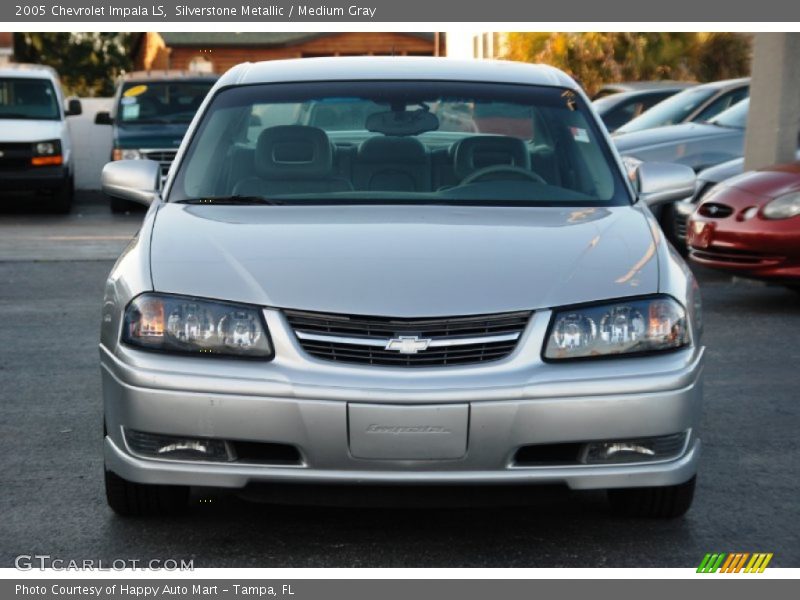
408, 344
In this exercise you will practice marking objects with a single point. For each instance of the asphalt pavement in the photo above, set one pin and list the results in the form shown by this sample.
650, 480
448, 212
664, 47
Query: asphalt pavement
52, 270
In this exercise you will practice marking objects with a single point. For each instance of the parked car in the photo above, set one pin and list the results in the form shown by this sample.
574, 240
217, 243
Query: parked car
617, 109
35, 146
706, 180
750, 225
695, 105
696, 145
400, 302
152, 111
610, 89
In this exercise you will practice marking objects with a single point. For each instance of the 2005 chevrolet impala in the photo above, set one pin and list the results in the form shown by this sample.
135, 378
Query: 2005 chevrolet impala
400, 271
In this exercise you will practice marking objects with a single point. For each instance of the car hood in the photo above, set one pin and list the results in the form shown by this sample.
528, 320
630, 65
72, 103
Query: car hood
29, 130
770, 182
732, 168
150, 135
403, 261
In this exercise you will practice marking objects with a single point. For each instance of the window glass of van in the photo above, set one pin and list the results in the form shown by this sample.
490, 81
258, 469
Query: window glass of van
27, 98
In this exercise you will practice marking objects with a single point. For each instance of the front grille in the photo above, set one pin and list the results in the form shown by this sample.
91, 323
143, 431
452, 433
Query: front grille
681, 225
715, 210
448, 341
164, 157
15, 156
682, 221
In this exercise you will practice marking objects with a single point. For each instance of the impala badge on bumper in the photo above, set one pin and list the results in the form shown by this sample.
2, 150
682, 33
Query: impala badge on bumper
382, 432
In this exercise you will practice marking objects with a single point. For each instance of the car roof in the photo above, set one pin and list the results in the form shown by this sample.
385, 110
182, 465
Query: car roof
725, 83
618, 98
167, 74
642, 86
399, 67
28, 71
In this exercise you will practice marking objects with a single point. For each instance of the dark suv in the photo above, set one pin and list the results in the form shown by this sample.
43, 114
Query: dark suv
151, 113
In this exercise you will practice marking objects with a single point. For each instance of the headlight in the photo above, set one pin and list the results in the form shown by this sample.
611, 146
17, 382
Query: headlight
126, 154
47, 154
47, 148
187, 325
783, 207
623, 327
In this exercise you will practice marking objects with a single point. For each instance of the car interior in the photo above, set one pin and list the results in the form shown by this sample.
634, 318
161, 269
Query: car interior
302, 159
413, 150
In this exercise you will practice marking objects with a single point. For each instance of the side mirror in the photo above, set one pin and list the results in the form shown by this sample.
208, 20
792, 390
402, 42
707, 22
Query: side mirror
74, 108
660, 183
134, 180
103, 118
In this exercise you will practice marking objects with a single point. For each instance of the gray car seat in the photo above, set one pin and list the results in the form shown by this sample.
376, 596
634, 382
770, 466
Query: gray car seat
292, 159
392, 164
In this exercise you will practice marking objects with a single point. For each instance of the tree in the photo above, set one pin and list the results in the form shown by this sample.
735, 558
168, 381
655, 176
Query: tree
595, 58
88, 63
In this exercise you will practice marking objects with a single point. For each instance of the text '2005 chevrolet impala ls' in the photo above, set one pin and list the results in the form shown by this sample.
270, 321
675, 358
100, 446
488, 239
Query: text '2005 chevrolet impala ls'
400, 271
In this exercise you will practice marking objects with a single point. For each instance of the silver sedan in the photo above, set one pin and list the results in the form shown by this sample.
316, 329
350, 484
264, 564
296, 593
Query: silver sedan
400, 271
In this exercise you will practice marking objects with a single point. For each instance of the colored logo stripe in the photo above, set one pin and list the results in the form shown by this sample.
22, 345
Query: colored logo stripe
735, 562
758, 563
711, 563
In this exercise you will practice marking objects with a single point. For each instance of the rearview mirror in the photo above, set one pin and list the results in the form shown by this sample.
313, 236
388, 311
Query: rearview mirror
102, 118
134, 180
74, 108
660, 183
402, 122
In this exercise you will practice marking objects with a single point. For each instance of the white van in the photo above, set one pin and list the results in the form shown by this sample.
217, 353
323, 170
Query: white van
35, 147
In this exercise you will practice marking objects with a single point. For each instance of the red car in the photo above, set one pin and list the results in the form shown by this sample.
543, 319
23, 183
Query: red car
750, 225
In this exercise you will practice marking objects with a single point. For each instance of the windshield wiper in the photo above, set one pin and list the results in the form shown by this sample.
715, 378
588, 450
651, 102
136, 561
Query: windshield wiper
232, 201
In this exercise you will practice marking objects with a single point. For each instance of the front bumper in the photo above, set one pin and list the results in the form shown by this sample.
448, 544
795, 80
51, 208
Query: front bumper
304, 402
752, 247
33, 179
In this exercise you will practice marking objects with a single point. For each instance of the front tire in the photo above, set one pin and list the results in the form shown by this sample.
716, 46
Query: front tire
668, 502
129, 499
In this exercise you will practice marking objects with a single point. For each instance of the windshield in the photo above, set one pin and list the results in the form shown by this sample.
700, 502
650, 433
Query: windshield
399, 141
735, 116
161, 101
25, 98
671, 111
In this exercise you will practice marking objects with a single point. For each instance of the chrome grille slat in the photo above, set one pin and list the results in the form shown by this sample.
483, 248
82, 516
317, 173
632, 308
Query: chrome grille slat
363, 340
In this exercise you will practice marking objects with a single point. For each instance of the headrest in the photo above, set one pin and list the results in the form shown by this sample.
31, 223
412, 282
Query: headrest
392, 149
293, 152
477, 152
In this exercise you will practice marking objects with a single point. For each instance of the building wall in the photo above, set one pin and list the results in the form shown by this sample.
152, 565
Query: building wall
153, 55
6, 46
476, 44
91, 144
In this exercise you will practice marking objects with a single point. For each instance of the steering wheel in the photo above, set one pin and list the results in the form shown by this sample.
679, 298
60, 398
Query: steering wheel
498, 169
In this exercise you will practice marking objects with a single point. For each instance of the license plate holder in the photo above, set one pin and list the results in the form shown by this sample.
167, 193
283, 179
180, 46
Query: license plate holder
402, 432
